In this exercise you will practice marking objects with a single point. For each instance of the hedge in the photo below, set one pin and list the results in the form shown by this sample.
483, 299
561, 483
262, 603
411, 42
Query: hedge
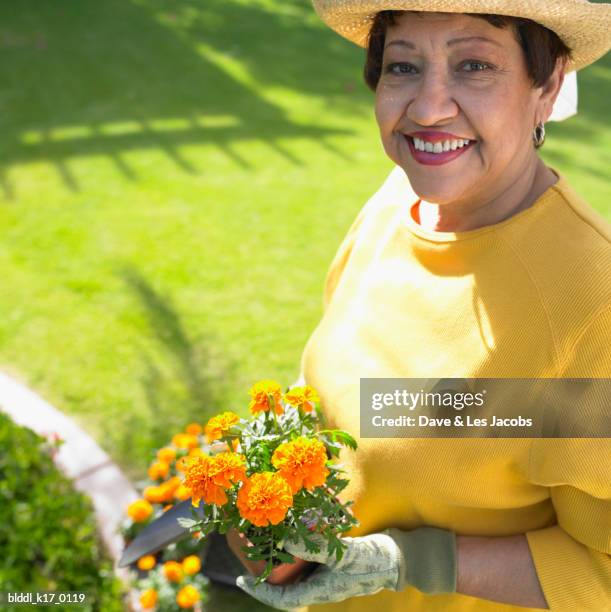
48, 538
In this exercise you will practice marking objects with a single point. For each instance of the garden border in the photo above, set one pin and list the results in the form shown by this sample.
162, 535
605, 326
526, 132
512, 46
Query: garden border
80, 458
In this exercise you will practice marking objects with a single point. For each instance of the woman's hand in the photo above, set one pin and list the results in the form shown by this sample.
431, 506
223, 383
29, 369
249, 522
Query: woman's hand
369, 564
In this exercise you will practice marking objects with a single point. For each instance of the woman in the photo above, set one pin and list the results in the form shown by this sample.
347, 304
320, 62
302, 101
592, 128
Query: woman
496, 268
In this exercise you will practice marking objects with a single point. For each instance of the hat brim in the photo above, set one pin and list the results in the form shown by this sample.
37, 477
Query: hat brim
583, 26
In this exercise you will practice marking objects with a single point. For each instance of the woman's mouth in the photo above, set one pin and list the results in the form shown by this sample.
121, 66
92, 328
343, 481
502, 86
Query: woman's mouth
434, 148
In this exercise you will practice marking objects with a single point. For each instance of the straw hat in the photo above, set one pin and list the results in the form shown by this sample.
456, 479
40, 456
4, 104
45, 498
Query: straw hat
584, 27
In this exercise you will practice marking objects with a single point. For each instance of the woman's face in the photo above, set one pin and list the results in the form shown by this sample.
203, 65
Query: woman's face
457, 87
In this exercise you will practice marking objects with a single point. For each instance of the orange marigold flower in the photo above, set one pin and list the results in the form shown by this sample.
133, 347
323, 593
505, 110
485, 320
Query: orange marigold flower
172, 570
185, 440
199, 480
208, 477
182, 493
146, 563
148, 599
229, 469
264, 499
187, 597
167, 490
162, 493
266, 394
171, 484
166, 454
218, 425
159, 470
194, 429
140, 510
196, 452
191, 565
305, 398
302, 463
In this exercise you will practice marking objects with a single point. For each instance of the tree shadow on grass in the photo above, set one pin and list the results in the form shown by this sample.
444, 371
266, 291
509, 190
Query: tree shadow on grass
103, 78
183, 382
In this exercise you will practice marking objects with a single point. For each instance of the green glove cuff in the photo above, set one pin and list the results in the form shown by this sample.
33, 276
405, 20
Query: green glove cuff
428, 559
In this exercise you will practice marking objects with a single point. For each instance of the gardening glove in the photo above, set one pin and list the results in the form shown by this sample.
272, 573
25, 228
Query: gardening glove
424, 558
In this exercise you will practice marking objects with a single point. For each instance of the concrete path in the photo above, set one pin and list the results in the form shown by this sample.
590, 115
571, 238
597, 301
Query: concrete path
79, 458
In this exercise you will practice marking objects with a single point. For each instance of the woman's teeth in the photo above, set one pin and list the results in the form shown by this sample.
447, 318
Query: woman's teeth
439, 147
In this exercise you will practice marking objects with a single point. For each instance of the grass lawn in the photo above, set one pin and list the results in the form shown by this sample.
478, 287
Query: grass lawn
174, 181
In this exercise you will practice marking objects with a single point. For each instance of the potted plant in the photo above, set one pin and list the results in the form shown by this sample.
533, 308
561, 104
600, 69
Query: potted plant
271, 478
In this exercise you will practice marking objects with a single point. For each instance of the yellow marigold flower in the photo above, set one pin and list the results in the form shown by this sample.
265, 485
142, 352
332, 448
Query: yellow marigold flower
182, 493
181, 464
164, 492
146, 563
191, 565
166, 454
172, 570
305, 398
264, 499
154, 495
140, 510
148, 599
220, 424
185, 440
194, 429
196, 452
187, 597
208, 477
302, 463
159, 470
266, 394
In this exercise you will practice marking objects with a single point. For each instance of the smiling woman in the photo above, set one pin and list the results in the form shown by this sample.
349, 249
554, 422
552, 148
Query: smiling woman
474, 260
473, 75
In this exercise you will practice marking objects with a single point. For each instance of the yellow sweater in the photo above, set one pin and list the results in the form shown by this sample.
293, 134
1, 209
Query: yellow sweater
527, 297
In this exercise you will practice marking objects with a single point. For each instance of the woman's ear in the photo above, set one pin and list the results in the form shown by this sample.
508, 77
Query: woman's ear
550, 91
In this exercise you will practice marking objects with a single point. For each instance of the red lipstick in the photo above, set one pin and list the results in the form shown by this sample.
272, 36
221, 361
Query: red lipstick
436, 159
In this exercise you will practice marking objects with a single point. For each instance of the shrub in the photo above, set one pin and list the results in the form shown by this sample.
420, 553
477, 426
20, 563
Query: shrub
48, 538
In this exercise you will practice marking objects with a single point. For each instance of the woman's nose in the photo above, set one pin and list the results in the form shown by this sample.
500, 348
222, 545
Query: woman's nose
433, 102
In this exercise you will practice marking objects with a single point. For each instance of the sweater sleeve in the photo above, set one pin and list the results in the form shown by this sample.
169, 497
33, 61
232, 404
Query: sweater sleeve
573, 557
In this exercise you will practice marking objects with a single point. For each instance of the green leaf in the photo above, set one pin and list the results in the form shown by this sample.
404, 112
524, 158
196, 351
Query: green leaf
344, 438
284, 556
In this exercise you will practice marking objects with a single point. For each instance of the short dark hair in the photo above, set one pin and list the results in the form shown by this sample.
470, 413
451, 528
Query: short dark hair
542, 47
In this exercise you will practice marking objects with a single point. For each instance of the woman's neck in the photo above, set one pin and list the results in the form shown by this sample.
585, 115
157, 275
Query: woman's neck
461, 217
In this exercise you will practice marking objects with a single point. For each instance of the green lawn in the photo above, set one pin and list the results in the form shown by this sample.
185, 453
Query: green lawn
174, 180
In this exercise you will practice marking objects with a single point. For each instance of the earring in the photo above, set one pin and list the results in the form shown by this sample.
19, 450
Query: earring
539, 135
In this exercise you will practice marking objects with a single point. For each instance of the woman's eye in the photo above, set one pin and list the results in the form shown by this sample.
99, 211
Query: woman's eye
475, 66
400, 68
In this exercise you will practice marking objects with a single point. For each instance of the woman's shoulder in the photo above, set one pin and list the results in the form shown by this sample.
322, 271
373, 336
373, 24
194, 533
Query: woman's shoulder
585, 218
565, 247
563, 235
